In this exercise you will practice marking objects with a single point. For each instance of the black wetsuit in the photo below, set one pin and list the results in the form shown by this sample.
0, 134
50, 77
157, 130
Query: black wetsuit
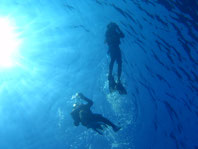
82, 114
113, 36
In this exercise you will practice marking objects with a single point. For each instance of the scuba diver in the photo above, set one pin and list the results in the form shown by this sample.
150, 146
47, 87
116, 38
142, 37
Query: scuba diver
113, 36
81, 113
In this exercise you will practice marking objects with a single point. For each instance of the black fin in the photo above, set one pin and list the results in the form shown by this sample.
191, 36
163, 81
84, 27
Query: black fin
121, 88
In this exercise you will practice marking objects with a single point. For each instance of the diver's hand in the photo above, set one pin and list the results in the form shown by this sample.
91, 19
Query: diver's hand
77, 95
80, 95
74, 96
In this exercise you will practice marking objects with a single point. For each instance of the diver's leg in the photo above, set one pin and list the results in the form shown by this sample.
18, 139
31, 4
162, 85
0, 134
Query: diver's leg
119, 61
119, 85
96, 126
119, 70
97, 131
100, 118
111, 66
112, 83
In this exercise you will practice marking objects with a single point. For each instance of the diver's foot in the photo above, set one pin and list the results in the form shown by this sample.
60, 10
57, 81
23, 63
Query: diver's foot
116, 128
121, 88
112, 84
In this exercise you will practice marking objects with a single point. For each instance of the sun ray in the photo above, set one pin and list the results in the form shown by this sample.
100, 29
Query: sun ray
9, 43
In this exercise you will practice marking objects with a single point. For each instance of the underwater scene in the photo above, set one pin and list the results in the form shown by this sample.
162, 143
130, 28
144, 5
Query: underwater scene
98, 74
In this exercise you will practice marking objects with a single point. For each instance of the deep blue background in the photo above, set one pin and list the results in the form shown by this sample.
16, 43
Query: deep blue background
63, 52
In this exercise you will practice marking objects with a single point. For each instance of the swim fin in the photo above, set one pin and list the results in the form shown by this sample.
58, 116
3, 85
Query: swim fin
121, 88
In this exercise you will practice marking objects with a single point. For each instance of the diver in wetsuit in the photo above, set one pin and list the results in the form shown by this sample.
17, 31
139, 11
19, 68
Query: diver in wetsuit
113, 36
82, 114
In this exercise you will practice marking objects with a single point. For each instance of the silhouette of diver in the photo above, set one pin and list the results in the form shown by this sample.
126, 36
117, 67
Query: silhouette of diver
81, 113
113, 36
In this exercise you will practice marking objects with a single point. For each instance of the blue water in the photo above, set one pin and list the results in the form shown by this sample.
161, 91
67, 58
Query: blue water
63, 52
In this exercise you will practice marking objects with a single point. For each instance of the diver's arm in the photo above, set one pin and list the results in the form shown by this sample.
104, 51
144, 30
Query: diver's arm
90, 102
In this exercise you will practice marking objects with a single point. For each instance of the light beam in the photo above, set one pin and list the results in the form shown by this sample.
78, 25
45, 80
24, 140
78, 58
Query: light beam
9, 43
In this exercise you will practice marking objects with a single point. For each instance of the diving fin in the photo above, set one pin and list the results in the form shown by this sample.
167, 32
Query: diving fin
120, 88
